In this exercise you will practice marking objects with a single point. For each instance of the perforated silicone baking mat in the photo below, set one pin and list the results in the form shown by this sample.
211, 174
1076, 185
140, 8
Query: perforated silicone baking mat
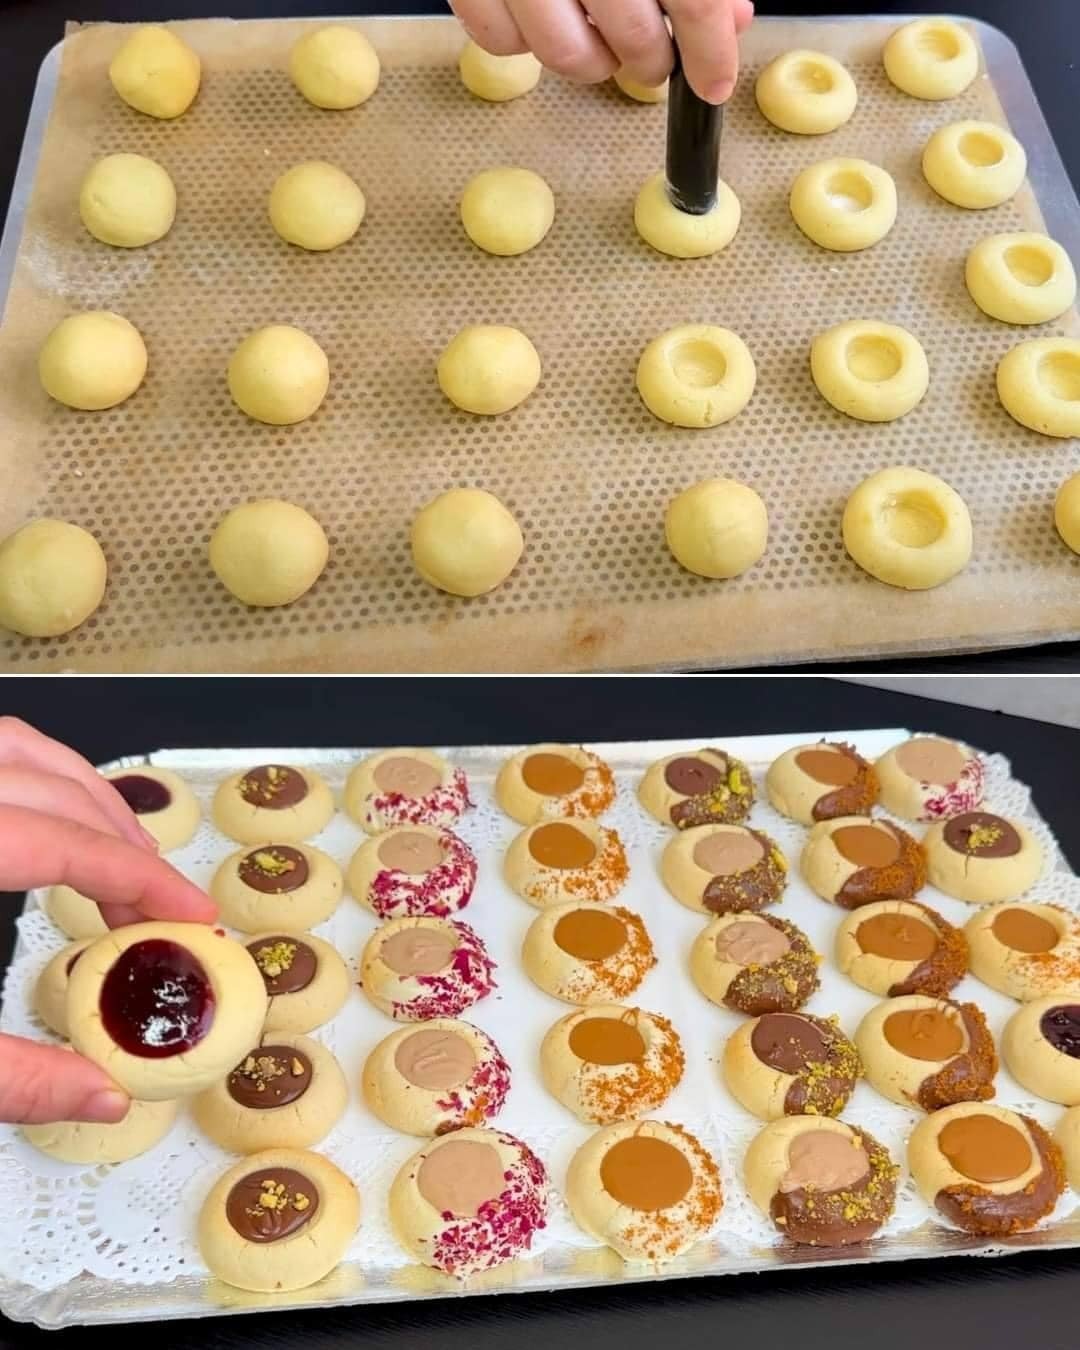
117, 1244
585, 468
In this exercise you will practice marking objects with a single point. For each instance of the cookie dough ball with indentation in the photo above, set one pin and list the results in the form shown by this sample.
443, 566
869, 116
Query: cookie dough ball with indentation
405, 787
640, 93
852, 861
1067, 1138
976, 165
932, 59
561, 860
51, 986
696, 375
1038, 383
724, 869
164, 803
754, 964
1021, 278
821, 782
446, 1075
278, 1221
874, 372
927, 1052
74, 914
708, 787
411, 870
1067, 512
316, 206
717, 529
165, 1009
897, 947
928, 778
844, 205
790, 1064
587, 953
272, 804
127, 201
807, 93
289, 886
1041, 1049
507, 211
987, 1170
489, 369
822, 1182
305, 978
466, 542
678, 233
279, 375
647, 1189
418, 968
498, 79
90, 1145
908, 529
268, 553
335, 67
982, 858
52, 578
554, 782
156, 73
1026, 951
92, 361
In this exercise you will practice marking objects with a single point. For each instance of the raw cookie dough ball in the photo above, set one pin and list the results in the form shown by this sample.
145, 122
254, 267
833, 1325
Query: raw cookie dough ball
844, 205
554, 782
165, 1008
272, 804
268, 553
289, 886
790, 1064
932, 59
1067, 1138
908, 529
466, 542
507, 211
647, 1189
806, 92
419, 968
754, 964
279, 375
50, 989
335, 67
489, 369
52, 578
927, 1052
796, 781
92, 361
718, 528
287, 1092
587, 953
679, 234
156, 73
469, 1200
640, 93
609, 1062
707, 787
305, 979
822, 1182
982, 858
929, 778
127, 201
985, 1169
446, 1075
498, 79
874, 372
696, 375
74, 914
90, 1145
1026, 951
1021, 278
411, 870
278, 1221
316, 206
1067, 512
405, 787
1038, 383
897, 947
1041, 1049
974, 164
560, 860
163, 802
724, 869
852, 861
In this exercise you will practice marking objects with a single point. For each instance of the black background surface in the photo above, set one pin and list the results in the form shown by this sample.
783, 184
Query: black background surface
959, 1304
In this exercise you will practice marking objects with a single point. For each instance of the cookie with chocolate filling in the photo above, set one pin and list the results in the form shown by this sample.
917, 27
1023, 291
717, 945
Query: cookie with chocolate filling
724, 869
273, 804
708, 787
1041, 1048
985, 1169
821, 782
290, 886
413, 869
162, 801
561, 860
554, 782
754, 964
406, 787
928, 778
305, 978
822, 1182
898, 947
418, 968
927, 1052
853, 861
790, 1064
982, 858
587, 953
1026, 951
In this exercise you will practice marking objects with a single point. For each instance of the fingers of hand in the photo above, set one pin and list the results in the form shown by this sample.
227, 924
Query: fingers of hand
562, 38
45, 1083
53, 796
637, 34
744, 15
705, 32
490, 24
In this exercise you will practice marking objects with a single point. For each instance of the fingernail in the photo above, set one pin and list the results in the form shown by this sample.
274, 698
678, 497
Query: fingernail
108, 1106
721, 91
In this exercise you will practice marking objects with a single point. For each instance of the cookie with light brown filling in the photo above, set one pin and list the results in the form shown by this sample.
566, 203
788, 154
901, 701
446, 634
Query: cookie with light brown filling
754, 964
587, 953
898, 947
821, 782
708, 787
982, 858
413, 869
1026, 951
415, 969
928, 778
561, 860
853, 861
724, 869
927, 1052
405, 787
554, 782
1041, 1048
790, 1064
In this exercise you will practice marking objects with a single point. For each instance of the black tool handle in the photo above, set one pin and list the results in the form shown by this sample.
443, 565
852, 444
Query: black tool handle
693, 146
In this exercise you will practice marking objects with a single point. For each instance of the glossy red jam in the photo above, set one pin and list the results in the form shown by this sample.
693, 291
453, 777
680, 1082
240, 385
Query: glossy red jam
156, 1000
144, 795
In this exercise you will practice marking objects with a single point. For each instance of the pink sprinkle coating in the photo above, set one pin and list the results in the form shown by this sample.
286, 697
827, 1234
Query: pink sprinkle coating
448, 993
482, 1097
438, 893
441, 807
965, 794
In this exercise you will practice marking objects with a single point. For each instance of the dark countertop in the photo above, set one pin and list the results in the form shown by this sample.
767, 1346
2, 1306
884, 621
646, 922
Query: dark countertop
1047, 33
994, 1305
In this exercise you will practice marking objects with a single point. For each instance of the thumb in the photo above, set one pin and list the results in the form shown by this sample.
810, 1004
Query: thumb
43, 1083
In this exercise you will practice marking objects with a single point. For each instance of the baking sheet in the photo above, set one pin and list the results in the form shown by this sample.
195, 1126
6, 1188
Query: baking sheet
587, 471
116, 1244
